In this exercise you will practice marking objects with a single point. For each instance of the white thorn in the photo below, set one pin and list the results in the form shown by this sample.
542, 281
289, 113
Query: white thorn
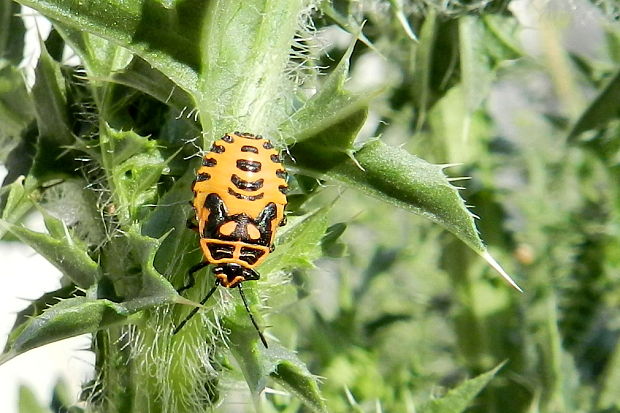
449, 165
488, 258
351, 155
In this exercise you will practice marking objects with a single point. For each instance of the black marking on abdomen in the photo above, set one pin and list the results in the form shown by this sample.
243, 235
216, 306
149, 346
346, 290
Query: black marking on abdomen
228, 139
246, 185
249, 166
283, 189
248, 148
245, 197
267, 145
281, 173
203, 176
217, 148
275, 158
209, 162
250, 255
221, 251
249, 136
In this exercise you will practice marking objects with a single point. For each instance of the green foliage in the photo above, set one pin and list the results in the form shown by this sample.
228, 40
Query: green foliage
391, 311
459, 398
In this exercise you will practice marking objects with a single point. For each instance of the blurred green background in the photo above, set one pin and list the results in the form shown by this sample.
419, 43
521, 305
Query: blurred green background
527, 99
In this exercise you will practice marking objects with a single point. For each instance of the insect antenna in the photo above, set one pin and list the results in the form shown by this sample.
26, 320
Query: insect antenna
195, 309
247, 308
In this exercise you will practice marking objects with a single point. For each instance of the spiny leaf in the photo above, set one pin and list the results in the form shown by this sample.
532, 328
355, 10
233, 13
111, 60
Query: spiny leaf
62, 252
458, 399
68, 318
401, 179
106, 61
134, 165
44, 302
79, 315
330, 106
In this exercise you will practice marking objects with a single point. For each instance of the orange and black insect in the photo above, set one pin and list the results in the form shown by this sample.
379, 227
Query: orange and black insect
239, 200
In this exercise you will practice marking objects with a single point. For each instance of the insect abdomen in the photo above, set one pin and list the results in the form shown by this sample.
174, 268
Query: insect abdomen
240, 196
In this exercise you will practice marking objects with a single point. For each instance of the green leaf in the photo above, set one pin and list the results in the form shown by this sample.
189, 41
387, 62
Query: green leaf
331, 244
19, 197
169, 221
295, 377
16, 109
475, 63
134, 165
433, 70
501, 40
138, 26
458, 399
60, 249
299, 242
45, 301
330, 106
50, 97
347, 23
601, 110
422, 70
68, 318
52, 113
106, 61
143, 77
129, 264
28, 403
401, 179
281, 364
100, 57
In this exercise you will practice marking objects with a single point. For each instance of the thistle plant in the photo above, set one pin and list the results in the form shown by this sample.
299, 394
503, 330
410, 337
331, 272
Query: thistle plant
105, 153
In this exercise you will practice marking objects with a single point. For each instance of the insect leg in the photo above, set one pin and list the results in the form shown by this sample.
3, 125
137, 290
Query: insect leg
191, 272
247, 308
195, 310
